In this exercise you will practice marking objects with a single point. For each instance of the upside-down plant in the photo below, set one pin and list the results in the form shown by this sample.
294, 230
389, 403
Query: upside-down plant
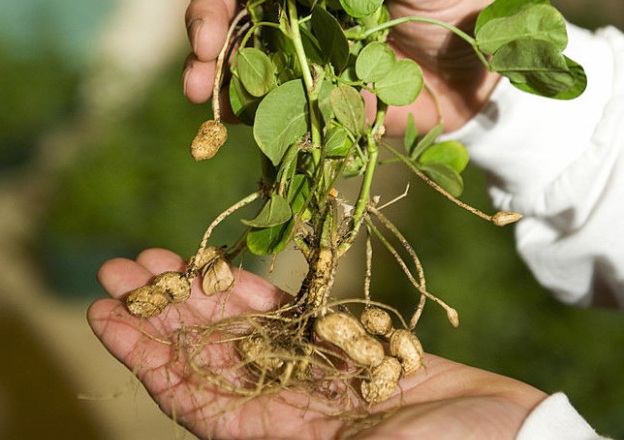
297, 73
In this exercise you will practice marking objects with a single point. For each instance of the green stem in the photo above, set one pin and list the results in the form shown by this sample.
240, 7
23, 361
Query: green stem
364, 196
415, 19
295, 35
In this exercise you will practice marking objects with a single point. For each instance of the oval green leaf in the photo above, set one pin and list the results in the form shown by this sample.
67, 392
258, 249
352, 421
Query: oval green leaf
374, 62
402, 85
281, 119
539, 22
534, 66
331, 38
504, 8
445, 176
243, 104
266, 241
360, 8
451, 153
348, 107
337, 143
255, 70
276, 211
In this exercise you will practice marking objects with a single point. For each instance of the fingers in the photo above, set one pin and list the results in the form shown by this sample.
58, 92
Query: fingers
198, 79
158, 261
207, 23
251, 292
120, 275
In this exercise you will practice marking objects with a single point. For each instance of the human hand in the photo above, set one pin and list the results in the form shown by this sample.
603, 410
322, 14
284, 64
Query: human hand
445, 400
452, 71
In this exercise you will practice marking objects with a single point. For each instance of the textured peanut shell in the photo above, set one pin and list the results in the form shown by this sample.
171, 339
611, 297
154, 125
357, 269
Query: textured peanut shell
406, 347
259, 351
217, 277
376, 321
338, 328
210, 137
384, 380
174, 284
365, 350
147, 301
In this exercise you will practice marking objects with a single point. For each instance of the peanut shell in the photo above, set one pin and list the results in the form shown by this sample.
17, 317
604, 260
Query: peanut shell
174, 284
405, 346
147, 301
376, 321
384, 380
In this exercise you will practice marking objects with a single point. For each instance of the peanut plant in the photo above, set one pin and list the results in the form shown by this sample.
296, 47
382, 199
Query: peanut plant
298, 70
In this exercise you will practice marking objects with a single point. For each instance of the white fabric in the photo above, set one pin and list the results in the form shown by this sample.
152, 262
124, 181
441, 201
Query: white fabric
560, 164
556, 419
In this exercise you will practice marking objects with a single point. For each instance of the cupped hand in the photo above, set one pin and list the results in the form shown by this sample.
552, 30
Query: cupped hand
445, 400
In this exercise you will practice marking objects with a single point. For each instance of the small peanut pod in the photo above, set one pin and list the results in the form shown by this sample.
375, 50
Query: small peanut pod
376, 321
338, 328
174, 284
405, 346
215, 270
384, 379
365, 350
147, 301
346, 332
206, 256
210, 137
259, 350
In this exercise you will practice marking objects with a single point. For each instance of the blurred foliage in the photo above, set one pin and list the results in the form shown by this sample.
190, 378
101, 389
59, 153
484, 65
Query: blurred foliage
134, 185
36, 94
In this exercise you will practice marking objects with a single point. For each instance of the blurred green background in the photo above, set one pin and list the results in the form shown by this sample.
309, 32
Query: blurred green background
89, 172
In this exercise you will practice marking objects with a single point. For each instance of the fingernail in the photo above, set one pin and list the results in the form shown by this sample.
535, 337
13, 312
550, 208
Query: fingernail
196, 27
185, 79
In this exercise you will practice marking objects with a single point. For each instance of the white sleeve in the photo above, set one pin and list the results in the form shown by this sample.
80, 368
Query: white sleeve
560, 164
556, 419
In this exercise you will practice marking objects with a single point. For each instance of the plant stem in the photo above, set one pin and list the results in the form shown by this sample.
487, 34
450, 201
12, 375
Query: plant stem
435, 186
235, 207
295, 35
364, 196
216, 88
397, 21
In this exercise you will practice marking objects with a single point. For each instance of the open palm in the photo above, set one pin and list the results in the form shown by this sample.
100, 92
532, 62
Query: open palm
445, 400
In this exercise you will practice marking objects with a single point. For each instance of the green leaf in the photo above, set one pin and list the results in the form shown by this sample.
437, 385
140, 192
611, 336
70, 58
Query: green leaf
426, 141
348, 107
445, 176
450, 153
374, 62
402, 85
255, 70
276, 211
539, 22
331, 38
337, 142
266, 241
504, 8
580, 81
325, 102
243, 104
411, 134
534, 66
311, 46
360, 8
298, 192
281, 119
